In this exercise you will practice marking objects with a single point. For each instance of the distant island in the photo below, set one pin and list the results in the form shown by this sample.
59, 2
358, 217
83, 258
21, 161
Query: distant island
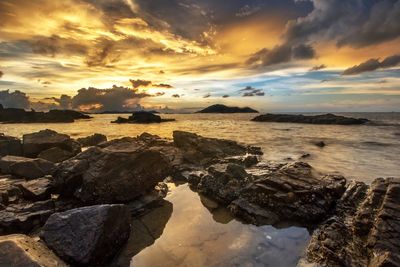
315, 119
16, 115
142, 117
218, 108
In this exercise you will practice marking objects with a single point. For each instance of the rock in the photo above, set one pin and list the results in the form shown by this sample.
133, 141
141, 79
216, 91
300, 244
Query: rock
26, 167
10, 146
218, 108
38, 189
88, 236
24, 251
35, 143
118, 172
320, 144
208, 203
142, 117
55, 154
9, 190
197, 149
92, 140
316, 119
364, 230
25, 217
15, 115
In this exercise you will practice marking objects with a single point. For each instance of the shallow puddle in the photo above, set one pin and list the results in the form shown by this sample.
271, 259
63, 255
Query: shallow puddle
183, 232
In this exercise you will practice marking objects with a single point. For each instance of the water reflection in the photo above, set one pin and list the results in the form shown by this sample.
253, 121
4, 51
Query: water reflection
196, 235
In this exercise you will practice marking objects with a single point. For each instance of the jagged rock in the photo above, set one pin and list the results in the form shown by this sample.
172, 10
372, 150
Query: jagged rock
364, 230
316, 119
88, 236
142, 117
24, 251
24, 217
201, 150
15, 115
55, 154
35, 143
38, 189
26, 167
9, 190
10, 146
92, 140
117, 172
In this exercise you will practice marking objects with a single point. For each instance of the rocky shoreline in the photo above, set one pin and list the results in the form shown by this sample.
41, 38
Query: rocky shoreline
61, 204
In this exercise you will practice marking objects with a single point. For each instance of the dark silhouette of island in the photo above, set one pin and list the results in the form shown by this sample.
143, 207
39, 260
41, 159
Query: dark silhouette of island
311, 119
218, 108
16, 115
142, 117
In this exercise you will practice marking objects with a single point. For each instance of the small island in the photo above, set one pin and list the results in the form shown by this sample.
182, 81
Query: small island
311, 119
218, 108
16, 115
142, 117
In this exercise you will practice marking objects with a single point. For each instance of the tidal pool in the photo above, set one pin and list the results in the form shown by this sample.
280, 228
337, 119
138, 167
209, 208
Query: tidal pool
181, 231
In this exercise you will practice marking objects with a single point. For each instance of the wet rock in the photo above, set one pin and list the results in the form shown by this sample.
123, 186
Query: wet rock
117, 172
10, 146
38, 189
26, 167
208, 203
197, 149
92, 140
15, 115
88, 236
55, 154
35, 143
24, 217
24, 251
148, 201
142, 117
317, 119
365, 229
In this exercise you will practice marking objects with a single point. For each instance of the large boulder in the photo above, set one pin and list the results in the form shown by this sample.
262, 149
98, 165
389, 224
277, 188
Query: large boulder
365, 228
24, 251
117, 172
35, 143
92, 140
88, 236
25, 217
26, 167
311, 119
37, 189
55, 154
10, 146
201, 150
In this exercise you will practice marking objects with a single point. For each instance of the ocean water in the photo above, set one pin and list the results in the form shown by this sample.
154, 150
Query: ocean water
184, 232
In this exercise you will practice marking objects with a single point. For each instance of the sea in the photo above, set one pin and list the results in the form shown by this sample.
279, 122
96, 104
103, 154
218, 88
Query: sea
182, 231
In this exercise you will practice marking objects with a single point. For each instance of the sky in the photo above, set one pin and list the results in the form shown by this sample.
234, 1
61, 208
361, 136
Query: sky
272, 55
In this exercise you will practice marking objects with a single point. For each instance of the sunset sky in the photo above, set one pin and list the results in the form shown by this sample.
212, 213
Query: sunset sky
273, 55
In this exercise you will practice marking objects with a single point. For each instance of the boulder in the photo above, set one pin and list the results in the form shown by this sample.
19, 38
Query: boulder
364, 230
118, 172
38, 189
88, 236
25, 217
202, 150
10, 146
24, 251
9, 189
311, 119
142, 117
26, 167
92, 140
35, 143
55, 154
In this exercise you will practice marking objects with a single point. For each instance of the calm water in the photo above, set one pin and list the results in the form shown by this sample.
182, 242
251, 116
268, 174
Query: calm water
183, 232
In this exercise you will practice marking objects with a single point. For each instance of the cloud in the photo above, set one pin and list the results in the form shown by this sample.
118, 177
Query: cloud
373, 64
16, 99
225, 96
145, 83
64, 102
247, 11
1, 74
251, 91
207, 96
318, 67
176, 96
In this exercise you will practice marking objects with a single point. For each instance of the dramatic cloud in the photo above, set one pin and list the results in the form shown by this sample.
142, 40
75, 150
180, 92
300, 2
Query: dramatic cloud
318, 67
64, 102
373, 64
247, 11
16, 99
251, 91
144, 83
